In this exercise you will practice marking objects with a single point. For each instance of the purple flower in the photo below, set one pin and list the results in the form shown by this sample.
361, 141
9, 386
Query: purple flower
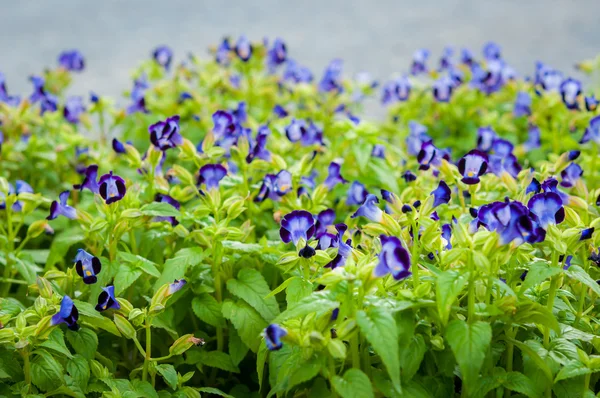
485, 138
167, 199
570, 175
416, 137
299, 224
409, 176
499, 164
396, 91
357, 194
587, 233
591, 103
222, 53
369, 209
534, 186
67, 314
313, 135
334, 176
61, 207
275, 186
297, 73
446, 58
4, 97
163, 55
546, 208
87, 266
595, 257
466, 57
295, 130
106, 299
446, 236
344, 248
551, 185
442, 89
280, 111
277, 54
273, 334
243, 48
176, 286
298, 130
73, 109
393, 259
165, 134
441, 194
429, 156
38, 89
534, 138
473, 165
49, 103
522, 104
511, 220
570, 90
90, 180
331, 80
550, 78
592, 132
119, 147
210, 175
378, 151
491, 51
259, 149
71, 60
111, 188
418, 65
140, 85
488, 80
324, 220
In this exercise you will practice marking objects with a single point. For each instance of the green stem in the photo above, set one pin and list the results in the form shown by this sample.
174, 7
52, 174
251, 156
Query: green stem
510, 350
139, 346
595, 155
148, 355
551, 296
132, 241
26, 368
354, 340
216, 269
584, 289
471, 292
9, 249
414, 266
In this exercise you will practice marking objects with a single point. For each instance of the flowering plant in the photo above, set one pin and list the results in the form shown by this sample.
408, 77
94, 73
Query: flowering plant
237, 229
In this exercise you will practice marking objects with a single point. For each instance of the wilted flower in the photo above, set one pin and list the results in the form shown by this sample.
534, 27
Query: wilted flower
210, 175
570, 175
165, 134
441, 194
243, 48
299, 224
393, 259
334, 176
273, 334
87, 266
60, 207
163, 55
67, 314
473, 165
106, 299
369, 209
546, 208
71, 60
111, 188
570, 90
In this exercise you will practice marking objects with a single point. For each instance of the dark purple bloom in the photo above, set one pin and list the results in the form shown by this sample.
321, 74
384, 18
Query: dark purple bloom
466, 57
87, 266
111, 188
67, 314
378, 151
429, 156
334, 176
446, 236
273, 334
38, 89
491, 51
106, 299
324, 220
210, 175
118, 146
550, 78
388, 196
595, 257
567, 261
176, 286
570, 90
73, 109
591, 103
243, 48
573, 155
61, 207
90, 181
511, 220
280, 111
534, 186
49, 103
71, 60
277, 54
592, 132
409, 176
551, 185
393, 259
570, 175
488, 80
259, 149
331, 80
416, 137
534, 138
547, 208
275, 186
472, 166
441, 194
167, 199
522, 104
369, 209
446, 58
406, 208
344, 248
334, 314
313, 135
297, 73
295, 130
299, 224
222, 53
499, 164
357, 194
442, 89
485, 138
419, 62
94, 98
163, 55
165, 134
587, 233
396, 91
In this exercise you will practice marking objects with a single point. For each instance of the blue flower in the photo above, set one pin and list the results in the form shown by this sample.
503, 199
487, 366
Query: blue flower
49, 103
71, 60
591, 103
534, 186
210, 175
416, 138
334, 176
297, 73
466, 57
357, 194
472, 166
140, 85
277, 54
409, 176
308, 135
38, 89
324, 220
344, 248
587, 233
90, 181
106, 299
68, 314
499, 164
280, 111
119, 147
522, 104
491, 51
87, 266
243, 48
446, 236
446, 58
295, 130
299, 224
547, 208
4, 97
73, 109
275, 186
273, 334
331, 80
570, 90
549, 78
176, 286
511, 220
570, 175
442, 89
396, 91
111, 188
485, 138
259, 148
429, 156
165, 134
592, 132
534, 140
378, 151
163, 55
441, 194
393, 259
60, 207
222, 52
419, 62
551, 185
369, 209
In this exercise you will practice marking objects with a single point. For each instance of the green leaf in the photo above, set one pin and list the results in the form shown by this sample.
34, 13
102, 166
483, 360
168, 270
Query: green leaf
242, 247
251, 287
315, 303
46, 372
297, 290
168, 373
362, 153
578, 273
84, 342
572, 369
56, 342
281, 287
28, 270
538, 272
125, 277
144, 389
208, 310
469, 343
142, 263
304, 373
176, 267
237, 348
533, 355
412, 356
214, 391
261, 359
248, 323
379, 327
61, 244
520, 383
89, 315
217, 359
159, 209
449, 285
79, 370
528, 311
354, 384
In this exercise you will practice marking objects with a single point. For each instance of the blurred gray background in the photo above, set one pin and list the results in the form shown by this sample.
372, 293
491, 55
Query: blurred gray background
376, 36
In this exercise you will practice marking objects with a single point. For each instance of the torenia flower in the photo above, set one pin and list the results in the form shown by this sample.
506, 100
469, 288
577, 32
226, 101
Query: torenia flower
324, 220
546, 208
165, 134
357, 194
111, 188
71, 60
275, 186
87, 266
243, 48
570, 90
297, 73
473, 165
446, 236
396, 91
167, 199
419, 62
210, 175
592, 132
272, 335
393, 259
442, 89
369, 209
299, 224
534, 139
522, 104
176, 286
90, 181
61, 207
163, 55
429, 156
295, 130
570, 175
485, 138
491, 51
21, 187
259, 149
277, 54
68, 314
416, 137
591, 103
331, 80
107, 300
378, 151
441, 194
511, 220
73, 109
334, 176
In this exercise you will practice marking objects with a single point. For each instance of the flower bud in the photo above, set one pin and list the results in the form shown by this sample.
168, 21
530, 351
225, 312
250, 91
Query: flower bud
43, 328
44, 287
36, 228
135, 315
126, 307
7, 335
337, 348
184, 343
124, 326
98, 370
